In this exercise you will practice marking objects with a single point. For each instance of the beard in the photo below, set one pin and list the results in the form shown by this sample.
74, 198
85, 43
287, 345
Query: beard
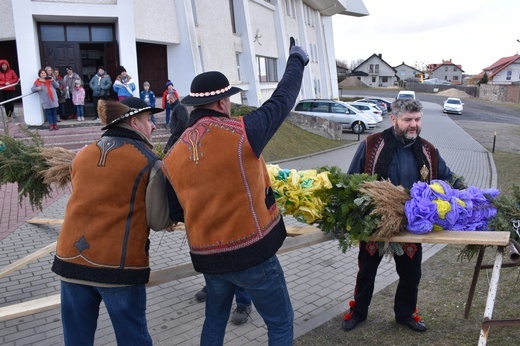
404, 134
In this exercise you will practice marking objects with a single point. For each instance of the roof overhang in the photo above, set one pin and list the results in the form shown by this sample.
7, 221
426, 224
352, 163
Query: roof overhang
354, 8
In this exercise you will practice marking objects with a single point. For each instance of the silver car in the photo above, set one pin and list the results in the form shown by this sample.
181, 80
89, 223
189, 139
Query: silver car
349, 117
369, 108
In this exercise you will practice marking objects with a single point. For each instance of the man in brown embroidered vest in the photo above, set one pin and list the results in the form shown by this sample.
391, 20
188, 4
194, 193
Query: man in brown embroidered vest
401, 155
119, 193
233, 225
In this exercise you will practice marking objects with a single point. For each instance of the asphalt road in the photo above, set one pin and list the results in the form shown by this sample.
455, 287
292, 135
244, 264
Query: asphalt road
474, 109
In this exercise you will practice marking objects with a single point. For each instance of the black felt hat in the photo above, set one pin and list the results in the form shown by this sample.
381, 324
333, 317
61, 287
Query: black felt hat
113, 112
209, 87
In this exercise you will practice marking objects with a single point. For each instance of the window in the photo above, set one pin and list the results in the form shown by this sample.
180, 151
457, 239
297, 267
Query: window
322, 107
267, 71
194, 11
374, 68
232, 10
76, 33
446, 68
455, 77
237, 55
403, 73
384, 79
508, 75
303, 106
454, 68
290, 8
373, 79
338, 108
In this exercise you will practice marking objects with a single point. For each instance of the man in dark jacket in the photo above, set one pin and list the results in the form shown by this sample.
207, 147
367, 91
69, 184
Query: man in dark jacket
178, 120
401, 155
100, 84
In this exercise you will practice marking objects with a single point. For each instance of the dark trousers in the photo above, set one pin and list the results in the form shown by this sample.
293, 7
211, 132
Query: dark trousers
9, 106
408, 268
95, 100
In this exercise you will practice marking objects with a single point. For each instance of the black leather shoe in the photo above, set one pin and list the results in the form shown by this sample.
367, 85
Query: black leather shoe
414, 325
350, 324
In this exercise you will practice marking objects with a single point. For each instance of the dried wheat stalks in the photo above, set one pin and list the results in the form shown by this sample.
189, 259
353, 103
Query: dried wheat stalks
58, 160
389, 203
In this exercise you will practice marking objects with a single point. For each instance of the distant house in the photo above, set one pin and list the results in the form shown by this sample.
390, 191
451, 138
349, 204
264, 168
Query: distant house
378, 72
342, 71
504, 71
447, 71
405, 72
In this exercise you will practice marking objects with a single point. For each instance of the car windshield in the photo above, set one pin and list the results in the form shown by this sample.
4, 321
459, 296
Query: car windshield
455, 102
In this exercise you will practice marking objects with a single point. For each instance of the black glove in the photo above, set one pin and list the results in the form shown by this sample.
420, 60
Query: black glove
293, 49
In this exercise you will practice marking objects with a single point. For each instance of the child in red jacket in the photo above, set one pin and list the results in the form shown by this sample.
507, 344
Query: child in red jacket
165, 105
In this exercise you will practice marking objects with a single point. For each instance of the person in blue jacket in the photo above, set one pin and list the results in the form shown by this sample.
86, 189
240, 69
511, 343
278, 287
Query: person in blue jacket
148, 96
124, 86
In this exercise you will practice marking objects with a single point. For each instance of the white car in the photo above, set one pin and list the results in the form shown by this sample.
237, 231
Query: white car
341, 112
369, 108
453, 105
406, 94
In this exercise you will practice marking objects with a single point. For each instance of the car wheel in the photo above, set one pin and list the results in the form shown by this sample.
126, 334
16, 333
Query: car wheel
358, 127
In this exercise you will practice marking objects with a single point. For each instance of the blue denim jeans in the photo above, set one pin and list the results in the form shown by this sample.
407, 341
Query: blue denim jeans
52, 115
126, 307
79, 110
265, 284
242, 298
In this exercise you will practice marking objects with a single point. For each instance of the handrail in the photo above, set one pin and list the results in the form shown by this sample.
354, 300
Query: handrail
2, 111
10, 85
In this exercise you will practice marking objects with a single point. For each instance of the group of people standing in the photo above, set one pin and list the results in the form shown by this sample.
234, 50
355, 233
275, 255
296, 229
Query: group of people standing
61, 97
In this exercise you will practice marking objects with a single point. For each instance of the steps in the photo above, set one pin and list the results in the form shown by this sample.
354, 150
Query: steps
74, 135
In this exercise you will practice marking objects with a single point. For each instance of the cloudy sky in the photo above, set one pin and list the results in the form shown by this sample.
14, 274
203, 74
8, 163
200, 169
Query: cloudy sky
472, 33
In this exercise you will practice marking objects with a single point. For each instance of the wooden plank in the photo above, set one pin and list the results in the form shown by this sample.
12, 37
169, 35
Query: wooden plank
293, 230
156, 277
45, 221
22, 262
453, 237
29, 307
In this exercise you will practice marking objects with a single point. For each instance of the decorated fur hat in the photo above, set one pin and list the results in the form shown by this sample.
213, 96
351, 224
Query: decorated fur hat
113, 112
209, 87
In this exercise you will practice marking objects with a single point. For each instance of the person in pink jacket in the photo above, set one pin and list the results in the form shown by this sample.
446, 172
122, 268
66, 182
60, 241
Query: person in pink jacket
78, 99
7, 77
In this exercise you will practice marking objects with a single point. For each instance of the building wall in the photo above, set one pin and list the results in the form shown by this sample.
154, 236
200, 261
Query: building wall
501, 77
198, 36
448, 72
405, 72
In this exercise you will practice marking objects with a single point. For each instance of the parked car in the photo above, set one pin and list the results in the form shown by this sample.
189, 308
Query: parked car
383, 101
453, 105
349, 117
383, 104
406, 94
369, 108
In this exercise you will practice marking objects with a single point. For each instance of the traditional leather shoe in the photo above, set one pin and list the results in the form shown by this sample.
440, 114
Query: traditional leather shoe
348, 325
414, 325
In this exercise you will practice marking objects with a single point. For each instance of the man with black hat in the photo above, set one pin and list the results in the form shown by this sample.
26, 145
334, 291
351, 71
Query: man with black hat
233, 225
118, 194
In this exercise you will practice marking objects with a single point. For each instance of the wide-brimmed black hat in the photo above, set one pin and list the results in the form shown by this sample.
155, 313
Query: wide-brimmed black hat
112, 112
209, 87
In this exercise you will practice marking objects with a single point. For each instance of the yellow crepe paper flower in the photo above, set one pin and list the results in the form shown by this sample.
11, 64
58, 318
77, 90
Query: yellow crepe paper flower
295, 192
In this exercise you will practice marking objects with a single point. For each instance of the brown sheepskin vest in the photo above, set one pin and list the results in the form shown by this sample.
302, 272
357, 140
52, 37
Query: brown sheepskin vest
230, 212
104, 237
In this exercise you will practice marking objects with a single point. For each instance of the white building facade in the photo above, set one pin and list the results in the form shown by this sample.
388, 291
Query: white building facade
160, 40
